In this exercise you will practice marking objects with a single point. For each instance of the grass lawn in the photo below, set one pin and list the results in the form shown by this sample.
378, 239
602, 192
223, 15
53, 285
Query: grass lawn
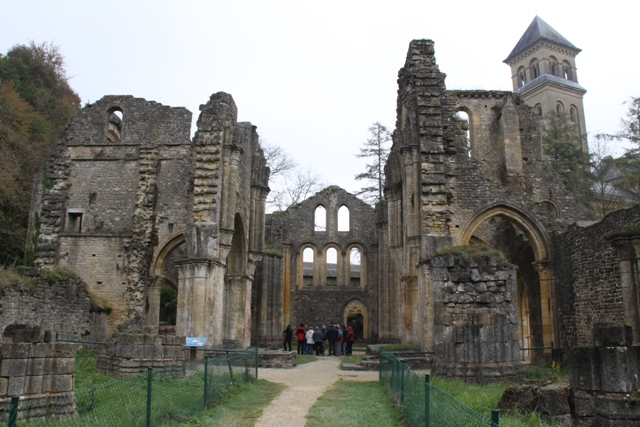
354, 404
301, 359
241, 408
483, 398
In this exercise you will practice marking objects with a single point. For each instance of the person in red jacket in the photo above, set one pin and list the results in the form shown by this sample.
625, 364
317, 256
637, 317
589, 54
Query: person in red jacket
351, 337
300, 332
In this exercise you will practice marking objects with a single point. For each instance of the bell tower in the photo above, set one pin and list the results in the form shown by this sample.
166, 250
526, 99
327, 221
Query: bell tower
543, 70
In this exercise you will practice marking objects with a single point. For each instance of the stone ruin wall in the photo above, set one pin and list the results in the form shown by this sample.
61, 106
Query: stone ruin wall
39, 370
130, 194
588, 276
62, 307
476, 318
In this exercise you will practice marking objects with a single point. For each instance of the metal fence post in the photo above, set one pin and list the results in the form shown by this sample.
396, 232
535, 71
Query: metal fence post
401, 366
256, 362
230, 368
13, 411
495, 417
149, 380
427, 390
205, 381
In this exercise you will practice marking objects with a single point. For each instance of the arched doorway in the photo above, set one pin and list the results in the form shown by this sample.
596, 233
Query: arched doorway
162, 293
524, 242
355, 315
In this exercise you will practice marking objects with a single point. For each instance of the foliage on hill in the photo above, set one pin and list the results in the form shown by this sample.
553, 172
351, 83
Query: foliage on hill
36, 103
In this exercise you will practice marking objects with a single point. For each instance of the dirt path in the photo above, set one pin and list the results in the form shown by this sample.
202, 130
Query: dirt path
304, 385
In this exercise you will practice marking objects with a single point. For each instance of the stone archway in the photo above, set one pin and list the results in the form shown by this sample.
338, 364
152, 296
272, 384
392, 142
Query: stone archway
539, 240
159, 277
355, 314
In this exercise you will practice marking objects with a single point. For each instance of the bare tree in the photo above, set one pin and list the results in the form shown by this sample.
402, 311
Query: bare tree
290, 183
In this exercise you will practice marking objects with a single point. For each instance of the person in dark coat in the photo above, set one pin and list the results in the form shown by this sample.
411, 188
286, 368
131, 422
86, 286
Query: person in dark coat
317, 341
288, 335
351, 337
332, 337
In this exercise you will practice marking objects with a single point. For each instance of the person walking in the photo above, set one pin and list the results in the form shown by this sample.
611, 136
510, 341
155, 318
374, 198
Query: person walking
288, 335
300, 333
351, 337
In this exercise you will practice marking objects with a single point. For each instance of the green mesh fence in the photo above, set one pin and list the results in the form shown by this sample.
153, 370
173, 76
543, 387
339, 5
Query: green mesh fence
423, 403
158, 397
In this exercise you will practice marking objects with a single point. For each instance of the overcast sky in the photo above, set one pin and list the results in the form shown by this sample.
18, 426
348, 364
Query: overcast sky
314, 75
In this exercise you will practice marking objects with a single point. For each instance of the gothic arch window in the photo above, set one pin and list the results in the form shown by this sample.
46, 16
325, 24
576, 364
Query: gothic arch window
538, 109
522, 79
567, 70
535, 68
355, 258
464, 116
343, 218
115, 120
307, 265
553, 65
320, 219
559, 107
331, 266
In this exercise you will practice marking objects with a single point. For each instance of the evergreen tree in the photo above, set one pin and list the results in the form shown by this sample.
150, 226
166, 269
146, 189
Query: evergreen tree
376, 148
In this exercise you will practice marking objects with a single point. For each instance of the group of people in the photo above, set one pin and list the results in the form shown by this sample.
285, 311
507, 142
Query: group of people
338, 339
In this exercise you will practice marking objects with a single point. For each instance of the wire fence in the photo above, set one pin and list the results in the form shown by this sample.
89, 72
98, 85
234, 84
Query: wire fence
425, 404
158, 397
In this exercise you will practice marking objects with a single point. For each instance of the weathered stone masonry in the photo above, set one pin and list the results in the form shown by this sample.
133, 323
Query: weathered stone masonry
125, 189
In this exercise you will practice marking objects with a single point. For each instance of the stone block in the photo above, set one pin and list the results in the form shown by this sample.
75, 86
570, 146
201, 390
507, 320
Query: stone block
14, 350
63, 366
47, 383
35, 366
64, 349
38, 350
584, 372
62, 383
48, 366
584, 403
33, 384
4, 385
610, 334
618, 369
521, 399
553, 400
13, 368
618, 406
16, 386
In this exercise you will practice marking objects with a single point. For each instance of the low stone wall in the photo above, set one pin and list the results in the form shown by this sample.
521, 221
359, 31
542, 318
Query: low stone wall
39, 371
128, 354
63, 307
276, 359
476, 324
605, 378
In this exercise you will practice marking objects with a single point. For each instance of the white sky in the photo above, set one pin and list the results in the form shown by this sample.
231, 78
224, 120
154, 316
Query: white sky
314, 75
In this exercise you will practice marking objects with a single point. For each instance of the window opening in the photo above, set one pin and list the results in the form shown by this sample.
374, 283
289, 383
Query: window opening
343, 218
74, 222
332, 267
464, 126
320, 219
308, 258
354, 267
114, 128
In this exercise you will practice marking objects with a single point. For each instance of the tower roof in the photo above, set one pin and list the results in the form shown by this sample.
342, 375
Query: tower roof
539, 30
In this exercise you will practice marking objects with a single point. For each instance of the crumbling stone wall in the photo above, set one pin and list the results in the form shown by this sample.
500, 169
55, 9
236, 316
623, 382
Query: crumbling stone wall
595, 276
125, 187
439, 191
63, 307
605, 378
129, 354
34, 367
476, 327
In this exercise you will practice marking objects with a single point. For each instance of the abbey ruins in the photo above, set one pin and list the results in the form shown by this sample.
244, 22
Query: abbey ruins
134, 205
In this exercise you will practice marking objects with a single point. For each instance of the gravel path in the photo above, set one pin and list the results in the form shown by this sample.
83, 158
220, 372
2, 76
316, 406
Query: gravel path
304, 385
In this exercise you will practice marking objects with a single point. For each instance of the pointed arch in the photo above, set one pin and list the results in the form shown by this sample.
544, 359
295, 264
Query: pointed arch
354, 314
